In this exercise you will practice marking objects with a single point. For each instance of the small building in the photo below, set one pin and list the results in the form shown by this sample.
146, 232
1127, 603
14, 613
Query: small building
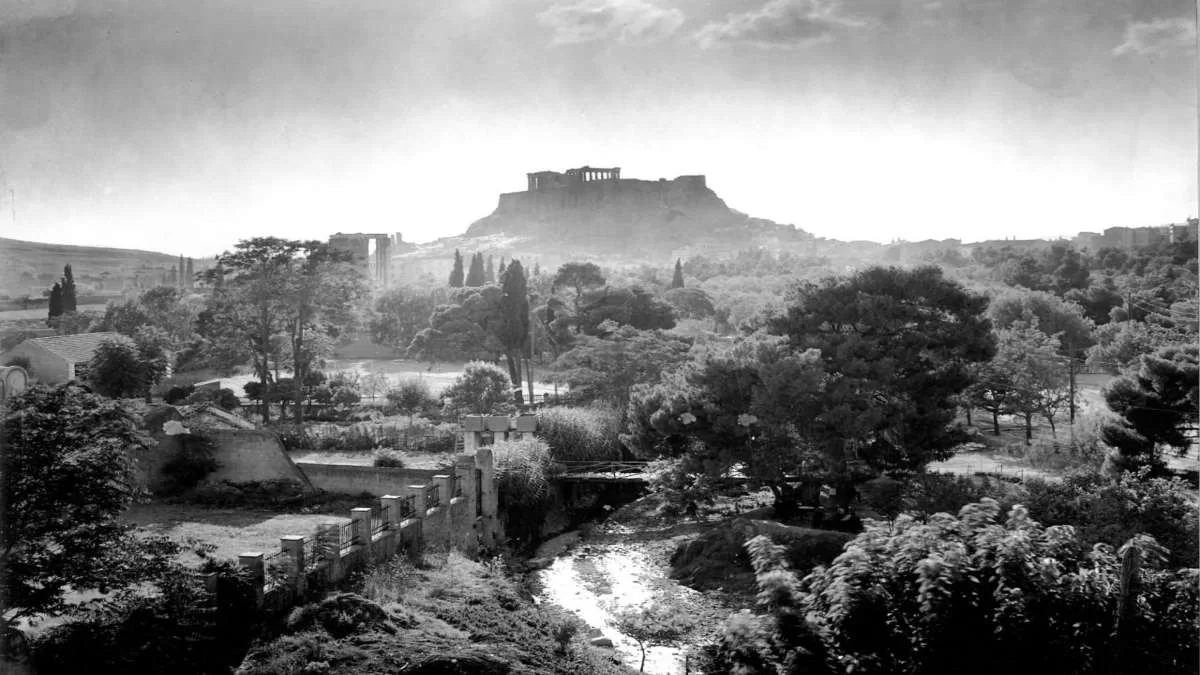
53, 360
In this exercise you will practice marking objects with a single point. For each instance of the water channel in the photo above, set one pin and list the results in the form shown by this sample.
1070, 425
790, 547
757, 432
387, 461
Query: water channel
624, 562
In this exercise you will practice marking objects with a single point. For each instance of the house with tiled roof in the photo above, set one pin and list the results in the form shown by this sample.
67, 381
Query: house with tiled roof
53, 360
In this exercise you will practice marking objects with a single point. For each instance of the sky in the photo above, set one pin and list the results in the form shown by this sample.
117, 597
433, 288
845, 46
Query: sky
183, 126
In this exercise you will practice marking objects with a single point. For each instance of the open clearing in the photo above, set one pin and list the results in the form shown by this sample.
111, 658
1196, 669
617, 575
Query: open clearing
232, 531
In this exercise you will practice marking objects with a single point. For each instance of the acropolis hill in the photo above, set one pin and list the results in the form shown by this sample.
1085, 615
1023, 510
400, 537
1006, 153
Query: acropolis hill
596, 209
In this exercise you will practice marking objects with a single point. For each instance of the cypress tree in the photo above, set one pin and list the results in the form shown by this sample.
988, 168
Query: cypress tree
514, 319
456, 274
677, 280
181, 278
489, 272
475, 276
56, 301
68, 290
189, 281
500, 272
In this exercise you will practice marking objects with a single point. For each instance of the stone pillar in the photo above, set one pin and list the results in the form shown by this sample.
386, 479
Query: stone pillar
293, 549
490, 505
362, 532
390, 507
253, 563
470, 441
417, 492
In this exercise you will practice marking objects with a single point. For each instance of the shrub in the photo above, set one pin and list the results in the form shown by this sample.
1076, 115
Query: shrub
411, 396
389, 459
178, 393
223, 398
929, 493
483, 388
1008, 594
580, 433
524, 470
1111, 512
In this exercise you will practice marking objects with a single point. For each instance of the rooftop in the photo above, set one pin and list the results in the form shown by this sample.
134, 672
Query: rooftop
77, 348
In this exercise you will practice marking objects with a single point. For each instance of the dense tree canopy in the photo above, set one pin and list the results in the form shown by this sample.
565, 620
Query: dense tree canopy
1157, 406
65, 476
897, 346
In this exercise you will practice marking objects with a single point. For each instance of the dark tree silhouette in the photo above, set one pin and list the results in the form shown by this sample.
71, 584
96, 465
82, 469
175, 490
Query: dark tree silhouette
456, 274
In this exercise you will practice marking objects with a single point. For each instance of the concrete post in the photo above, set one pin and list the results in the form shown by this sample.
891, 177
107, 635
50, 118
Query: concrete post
490, 504
390, 505
362, 521
253, 563
470, 441
447, 482
293, 548
417, 492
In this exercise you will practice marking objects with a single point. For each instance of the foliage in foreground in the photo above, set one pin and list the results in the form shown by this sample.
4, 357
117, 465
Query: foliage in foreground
1003, 596
449, 614
65, 475
524, 470
576, 433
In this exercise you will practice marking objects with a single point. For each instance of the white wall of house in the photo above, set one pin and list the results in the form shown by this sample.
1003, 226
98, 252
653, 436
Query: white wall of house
44, 366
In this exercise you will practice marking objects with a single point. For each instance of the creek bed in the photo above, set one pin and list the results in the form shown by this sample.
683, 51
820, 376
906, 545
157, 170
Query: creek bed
626, 564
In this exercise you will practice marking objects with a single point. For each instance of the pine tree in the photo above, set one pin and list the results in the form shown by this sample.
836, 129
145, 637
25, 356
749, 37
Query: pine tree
489, 272
189, 281
68, 290
56, 301
500, 272
475, 277
677, 280
456, 274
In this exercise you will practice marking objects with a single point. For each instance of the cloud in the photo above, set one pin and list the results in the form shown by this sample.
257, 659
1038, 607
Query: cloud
779, 23
19, 11
621, 20
1160, 36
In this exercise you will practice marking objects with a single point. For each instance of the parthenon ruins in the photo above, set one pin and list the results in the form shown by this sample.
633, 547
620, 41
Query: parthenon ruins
543, 180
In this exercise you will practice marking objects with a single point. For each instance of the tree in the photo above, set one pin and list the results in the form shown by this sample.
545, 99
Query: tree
578, 276
513, 329
691, 303
483, 388
66, 474
659, 621
410, 396
1156, 406
898, 347
249, 306
632, 306
56, 303
990, 389
401, 313
322, 293
68, 290
475, 276
116, 369
465, 328
677, 278
749, 406
456, 273
489, 271
1052, 315
1028, 361
154, 357
190, 276
609, 368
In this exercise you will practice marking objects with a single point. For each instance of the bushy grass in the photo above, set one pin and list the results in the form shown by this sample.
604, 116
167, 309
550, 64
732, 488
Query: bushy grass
580, 433
445, 614
524, 470
399, 434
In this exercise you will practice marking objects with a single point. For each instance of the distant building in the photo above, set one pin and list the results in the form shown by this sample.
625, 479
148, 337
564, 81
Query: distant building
1186, 231
53, 360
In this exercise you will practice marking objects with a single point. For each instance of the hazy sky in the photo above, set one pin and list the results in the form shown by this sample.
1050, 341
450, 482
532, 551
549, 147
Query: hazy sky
182, 126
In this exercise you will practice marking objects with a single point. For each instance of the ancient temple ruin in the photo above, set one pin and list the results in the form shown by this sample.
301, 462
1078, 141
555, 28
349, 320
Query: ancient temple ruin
545, 180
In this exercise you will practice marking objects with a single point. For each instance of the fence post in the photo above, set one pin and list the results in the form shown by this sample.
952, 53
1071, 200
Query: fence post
361, 517
329, 540
253, 564
390, 505
293, 548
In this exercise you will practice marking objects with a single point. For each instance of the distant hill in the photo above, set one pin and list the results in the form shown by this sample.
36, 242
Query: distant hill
28, 267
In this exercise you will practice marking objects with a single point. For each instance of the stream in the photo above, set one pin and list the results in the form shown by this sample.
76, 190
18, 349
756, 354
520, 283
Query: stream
626, 564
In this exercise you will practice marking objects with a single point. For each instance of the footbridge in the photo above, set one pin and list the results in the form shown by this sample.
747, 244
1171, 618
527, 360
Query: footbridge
604, 471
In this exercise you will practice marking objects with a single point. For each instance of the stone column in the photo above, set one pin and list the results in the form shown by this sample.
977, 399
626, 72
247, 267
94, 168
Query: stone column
329, 540
293, 548
417, 492
490, 504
